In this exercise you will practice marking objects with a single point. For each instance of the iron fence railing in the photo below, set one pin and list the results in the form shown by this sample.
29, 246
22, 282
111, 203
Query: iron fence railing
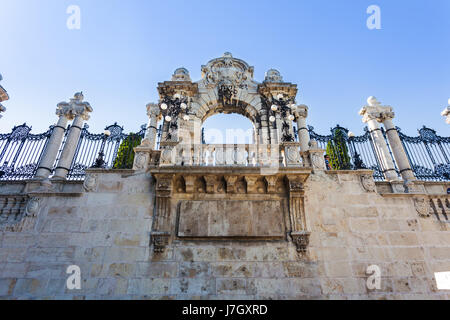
20, 152
345, 151
93, 147
428, 154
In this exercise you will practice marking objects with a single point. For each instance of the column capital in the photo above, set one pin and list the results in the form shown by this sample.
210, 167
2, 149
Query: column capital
446, 113
375, 111
76, 107
153, 110
301, 111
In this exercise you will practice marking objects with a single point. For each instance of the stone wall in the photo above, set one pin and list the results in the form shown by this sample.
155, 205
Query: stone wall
104, 228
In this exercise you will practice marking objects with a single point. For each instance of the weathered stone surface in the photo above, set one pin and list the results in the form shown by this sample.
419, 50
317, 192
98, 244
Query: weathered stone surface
228, 219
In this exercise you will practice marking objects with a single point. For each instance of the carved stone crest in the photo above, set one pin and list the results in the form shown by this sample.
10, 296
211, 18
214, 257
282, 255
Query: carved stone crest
227, 69
368, 183
32, 207
90, 182
140, 161
421, 204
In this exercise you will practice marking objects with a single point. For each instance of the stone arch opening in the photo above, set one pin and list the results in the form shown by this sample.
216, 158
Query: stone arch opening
240, 125
228, 128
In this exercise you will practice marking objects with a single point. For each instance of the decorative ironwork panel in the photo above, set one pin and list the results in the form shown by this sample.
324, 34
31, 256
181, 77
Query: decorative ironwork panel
20, 152
100, 150
351, 152
428, 154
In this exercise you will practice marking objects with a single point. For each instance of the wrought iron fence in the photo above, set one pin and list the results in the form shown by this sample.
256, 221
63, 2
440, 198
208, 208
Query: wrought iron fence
345, 151
111, 149
20, 152
428, 154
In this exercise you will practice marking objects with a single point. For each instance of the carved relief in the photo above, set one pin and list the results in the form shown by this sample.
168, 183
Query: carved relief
368, 183
90, 182
301, 240
32, 207
140, 161
232, 71
422, 206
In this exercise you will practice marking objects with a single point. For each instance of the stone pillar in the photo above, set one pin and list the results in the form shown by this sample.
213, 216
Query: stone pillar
396, 145
446, 113
303, 133
79, 111
153, 112
48, 159
371, 115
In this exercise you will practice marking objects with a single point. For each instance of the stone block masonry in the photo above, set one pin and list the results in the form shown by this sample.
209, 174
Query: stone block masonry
107, 234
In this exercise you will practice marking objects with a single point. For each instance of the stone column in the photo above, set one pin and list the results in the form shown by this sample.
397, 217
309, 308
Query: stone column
48, 159
446, 113
79, 111
396, 145
371, 114
153, 112
303, 133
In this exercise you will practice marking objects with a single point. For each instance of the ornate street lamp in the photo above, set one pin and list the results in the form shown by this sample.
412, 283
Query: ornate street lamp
284, 107
172, 108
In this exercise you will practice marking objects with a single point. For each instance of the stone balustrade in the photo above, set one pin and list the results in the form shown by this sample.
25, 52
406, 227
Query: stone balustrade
247, 155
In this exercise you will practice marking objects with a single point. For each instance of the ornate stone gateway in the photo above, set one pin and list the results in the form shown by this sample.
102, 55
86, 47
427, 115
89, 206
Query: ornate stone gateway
228, 192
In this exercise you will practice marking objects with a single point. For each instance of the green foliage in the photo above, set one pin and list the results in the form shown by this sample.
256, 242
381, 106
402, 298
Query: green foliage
337, 150
125, 154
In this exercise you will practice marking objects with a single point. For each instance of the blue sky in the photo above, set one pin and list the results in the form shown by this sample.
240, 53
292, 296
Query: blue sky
124, 48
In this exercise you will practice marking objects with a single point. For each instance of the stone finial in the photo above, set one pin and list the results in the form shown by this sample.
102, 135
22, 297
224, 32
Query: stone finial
374, 110
446, 113
273, 76
153, 110
373, 102
181, 74
76, 107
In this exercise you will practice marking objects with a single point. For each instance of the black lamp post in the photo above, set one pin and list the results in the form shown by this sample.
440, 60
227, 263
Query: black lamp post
172, 108
284, 107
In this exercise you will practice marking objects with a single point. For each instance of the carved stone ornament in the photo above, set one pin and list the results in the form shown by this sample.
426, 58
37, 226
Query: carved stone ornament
273, 76
317, 161
231, 70
160, 240
368, 183
90, 182
292, 155
140, 161
301, 240
76, 107
167, 155
32, 207
421, 204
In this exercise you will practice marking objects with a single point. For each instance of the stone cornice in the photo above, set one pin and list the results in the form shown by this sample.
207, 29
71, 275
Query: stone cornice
270, 88
170, 88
